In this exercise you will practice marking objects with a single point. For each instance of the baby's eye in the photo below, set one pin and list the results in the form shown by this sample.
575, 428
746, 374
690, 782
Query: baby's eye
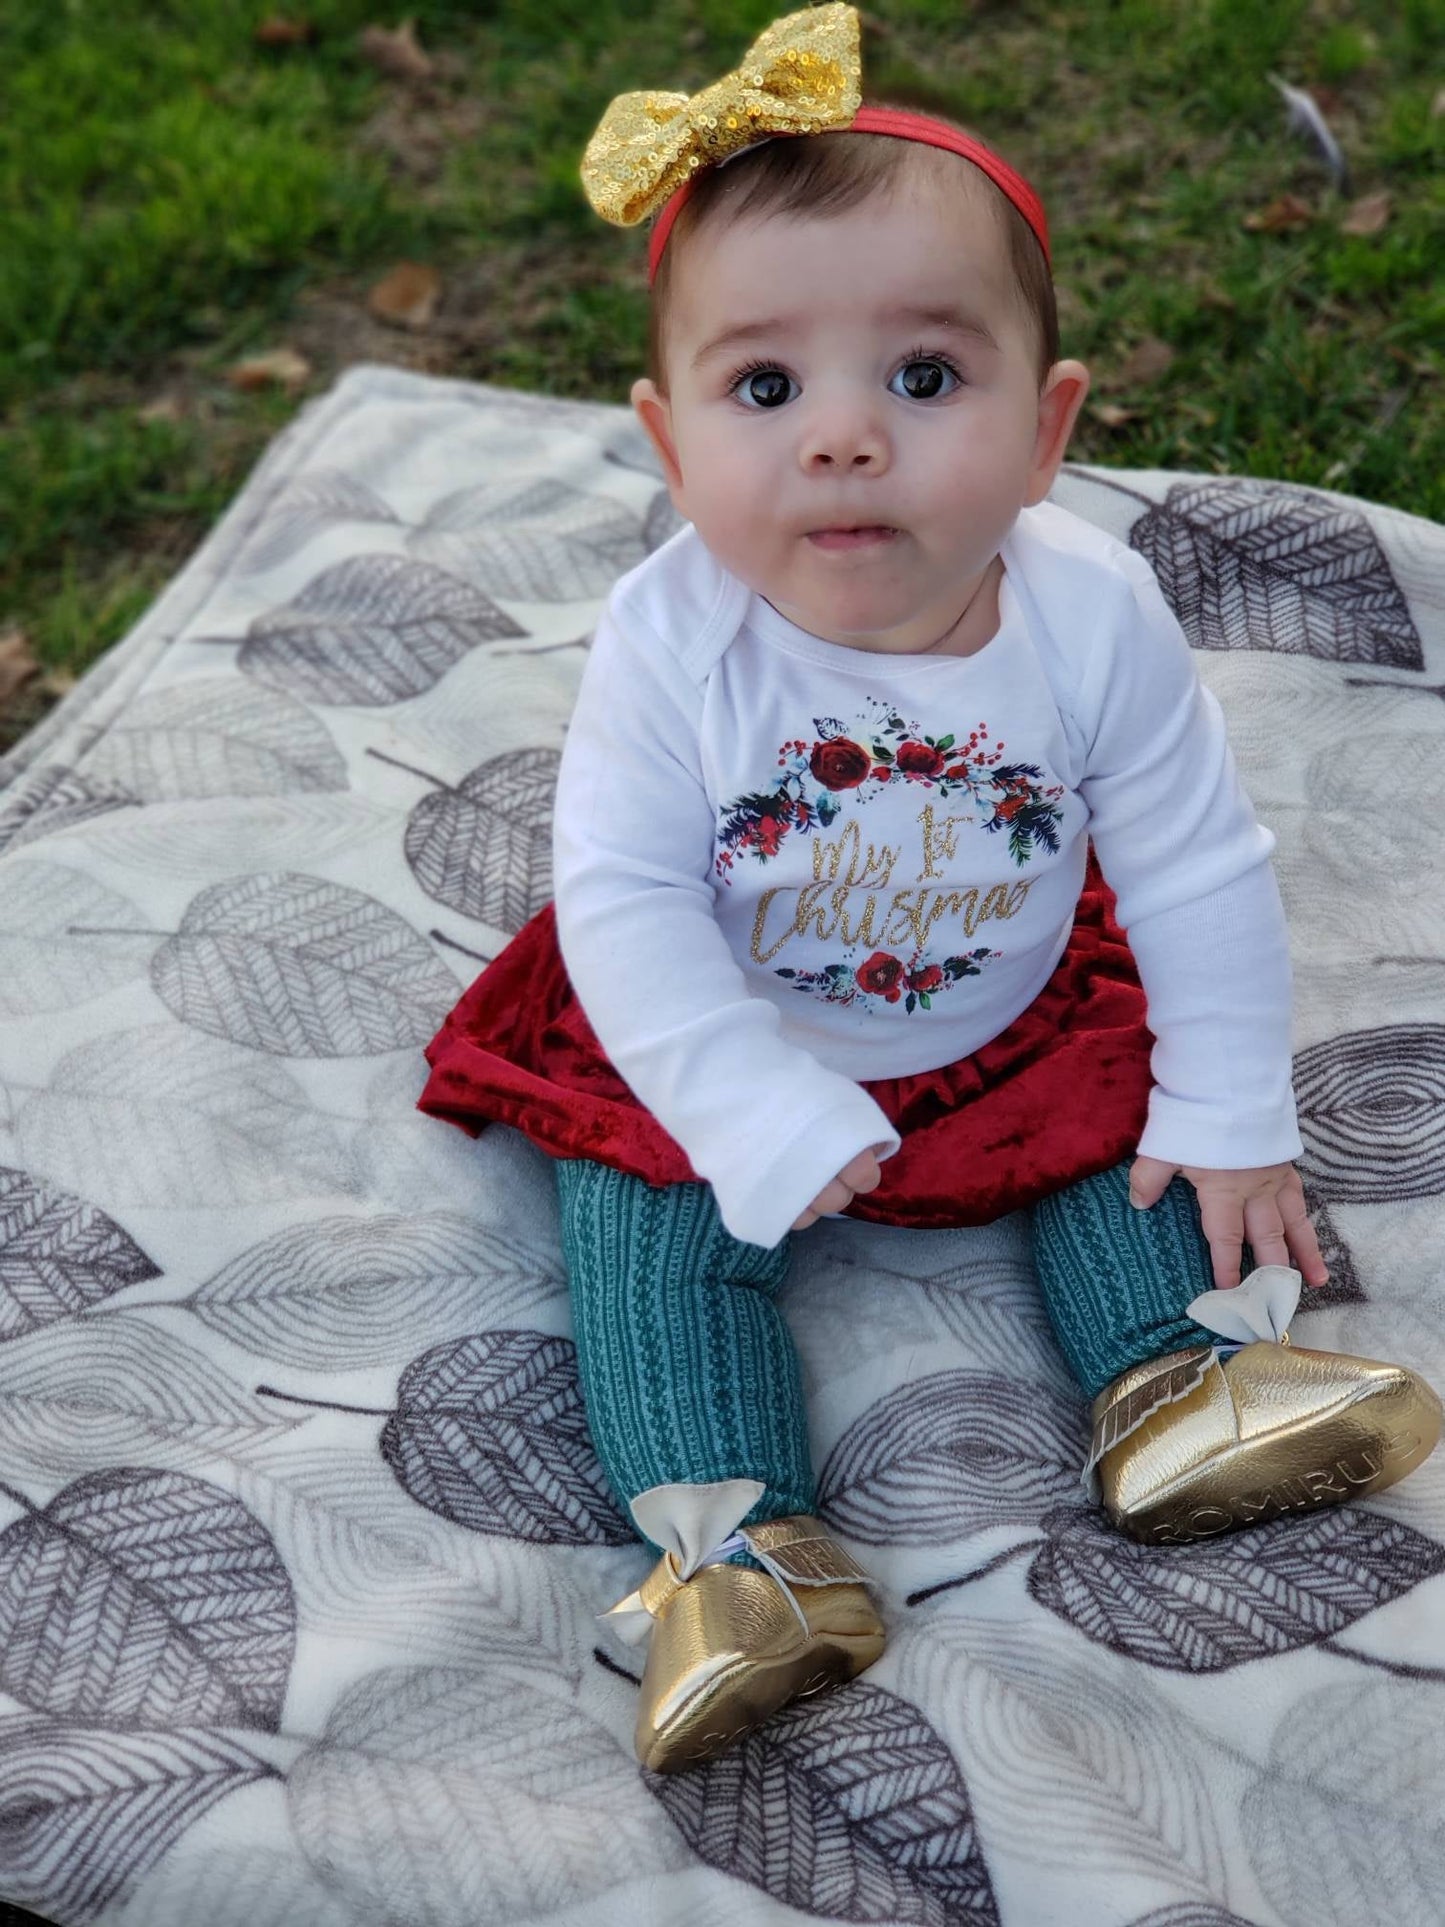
761, 387
924, 376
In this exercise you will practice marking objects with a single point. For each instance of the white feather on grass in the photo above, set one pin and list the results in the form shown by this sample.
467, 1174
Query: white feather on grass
1305, 117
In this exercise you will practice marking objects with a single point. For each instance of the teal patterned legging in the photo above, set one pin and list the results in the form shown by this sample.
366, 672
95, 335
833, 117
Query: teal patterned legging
688, 1369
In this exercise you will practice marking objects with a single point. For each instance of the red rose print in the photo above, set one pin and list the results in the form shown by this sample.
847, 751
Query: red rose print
880, 976
841, 764
920, 759
930, 977
1010, 807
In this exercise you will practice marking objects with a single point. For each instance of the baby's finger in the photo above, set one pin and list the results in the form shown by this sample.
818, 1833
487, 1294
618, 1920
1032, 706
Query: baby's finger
1300, 1234
1223, 1223
1264, 1228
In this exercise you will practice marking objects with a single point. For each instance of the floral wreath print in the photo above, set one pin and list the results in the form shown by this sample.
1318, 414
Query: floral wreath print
1009, 796
887, 977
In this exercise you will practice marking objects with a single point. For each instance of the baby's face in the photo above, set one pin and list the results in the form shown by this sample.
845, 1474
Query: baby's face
853, 404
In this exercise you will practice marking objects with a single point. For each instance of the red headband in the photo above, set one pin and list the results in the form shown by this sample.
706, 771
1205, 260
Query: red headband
903, 125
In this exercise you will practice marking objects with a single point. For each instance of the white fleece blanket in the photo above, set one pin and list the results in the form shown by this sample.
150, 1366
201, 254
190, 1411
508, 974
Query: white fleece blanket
301, 1539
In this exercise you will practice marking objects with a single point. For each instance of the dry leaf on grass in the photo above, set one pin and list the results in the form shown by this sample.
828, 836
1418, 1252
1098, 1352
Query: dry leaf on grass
407, 297
282, 368
1111, 414
1283, 214
277, 31
1369, 214
397, 52
1146, 361
1437, 105
17, 662
165, 408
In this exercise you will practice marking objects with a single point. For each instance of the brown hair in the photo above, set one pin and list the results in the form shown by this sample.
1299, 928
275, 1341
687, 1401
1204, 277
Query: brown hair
829, 175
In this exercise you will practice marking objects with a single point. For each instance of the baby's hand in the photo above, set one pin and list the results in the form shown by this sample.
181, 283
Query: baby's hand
1265, 1205
862, 1173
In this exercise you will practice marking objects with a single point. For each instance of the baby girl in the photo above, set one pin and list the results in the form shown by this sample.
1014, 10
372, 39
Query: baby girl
834, 937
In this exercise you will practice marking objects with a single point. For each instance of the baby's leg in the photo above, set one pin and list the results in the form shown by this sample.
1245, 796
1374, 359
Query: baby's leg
688, 1370
690, 1378
1191, 1438
1116, 1280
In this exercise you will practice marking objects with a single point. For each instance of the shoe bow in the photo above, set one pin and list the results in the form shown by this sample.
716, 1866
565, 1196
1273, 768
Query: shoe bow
1261, 1307
700, 1525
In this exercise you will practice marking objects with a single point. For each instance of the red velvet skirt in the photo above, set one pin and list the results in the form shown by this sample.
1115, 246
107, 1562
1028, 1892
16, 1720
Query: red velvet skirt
1059, 1095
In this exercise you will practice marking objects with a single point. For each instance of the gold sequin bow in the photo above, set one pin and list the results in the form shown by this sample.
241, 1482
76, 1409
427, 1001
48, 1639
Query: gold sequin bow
804, 74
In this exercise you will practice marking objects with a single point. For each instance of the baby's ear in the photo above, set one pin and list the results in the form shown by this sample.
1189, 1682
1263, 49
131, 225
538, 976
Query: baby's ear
1060, 399
654, 411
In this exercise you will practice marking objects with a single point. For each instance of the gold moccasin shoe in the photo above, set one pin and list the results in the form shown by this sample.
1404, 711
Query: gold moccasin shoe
731, 1645
1192, 1445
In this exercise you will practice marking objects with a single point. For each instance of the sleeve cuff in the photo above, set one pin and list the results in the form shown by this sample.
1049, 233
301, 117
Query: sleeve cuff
1183, 1132
759, 1200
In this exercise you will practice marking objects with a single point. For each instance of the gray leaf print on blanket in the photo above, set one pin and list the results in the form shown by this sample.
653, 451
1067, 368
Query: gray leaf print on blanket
372, 1566
301, 967
1188, 1914
344, 1293
1372, 1113
663, 521
164, 1116
1258, 565
465, 1798
485, 847
58, 1255
205, 838
372, 630
85, 1813
490, 1432
53, 799
145, 1599
117, 1388
306, 507
951, 1454
532, 539
847, 1807
1208, 1607
214, 736
257, 1885
1344, 1822
48, 960
1129, 1783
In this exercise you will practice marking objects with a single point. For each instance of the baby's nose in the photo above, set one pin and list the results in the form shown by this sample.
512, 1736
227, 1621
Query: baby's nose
844, 440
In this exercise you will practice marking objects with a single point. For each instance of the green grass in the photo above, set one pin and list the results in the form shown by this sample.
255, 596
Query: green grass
173, 196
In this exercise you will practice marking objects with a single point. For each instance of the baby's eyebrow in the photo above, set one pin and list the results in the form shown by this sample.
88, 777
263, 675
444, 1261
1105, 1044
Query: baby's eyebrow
929, 315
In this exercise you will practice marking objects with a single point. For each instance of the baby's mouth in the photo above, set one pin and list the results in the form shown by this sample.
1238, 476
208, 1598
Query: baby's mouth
851, 538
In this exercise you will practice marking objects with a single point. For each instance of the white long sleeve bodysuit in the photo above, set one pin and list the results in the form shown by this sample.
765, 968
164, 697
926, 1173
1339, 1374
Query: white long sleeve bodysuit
783, 866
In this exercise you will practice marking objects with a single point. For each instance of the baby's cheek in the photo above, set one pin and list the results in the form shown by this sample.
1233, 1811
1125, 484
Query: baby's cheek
732, 512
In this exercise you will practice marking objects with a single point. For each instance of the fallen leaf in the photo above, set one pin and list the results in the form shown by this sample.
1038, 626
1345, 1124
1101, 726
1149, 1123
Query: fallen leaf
17, 662
1369, 214
407, 297
281, 368
58, 682
1285, 212
1111, 414
165, 408
397, 52
1146, 361
1437, 105
277, 31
